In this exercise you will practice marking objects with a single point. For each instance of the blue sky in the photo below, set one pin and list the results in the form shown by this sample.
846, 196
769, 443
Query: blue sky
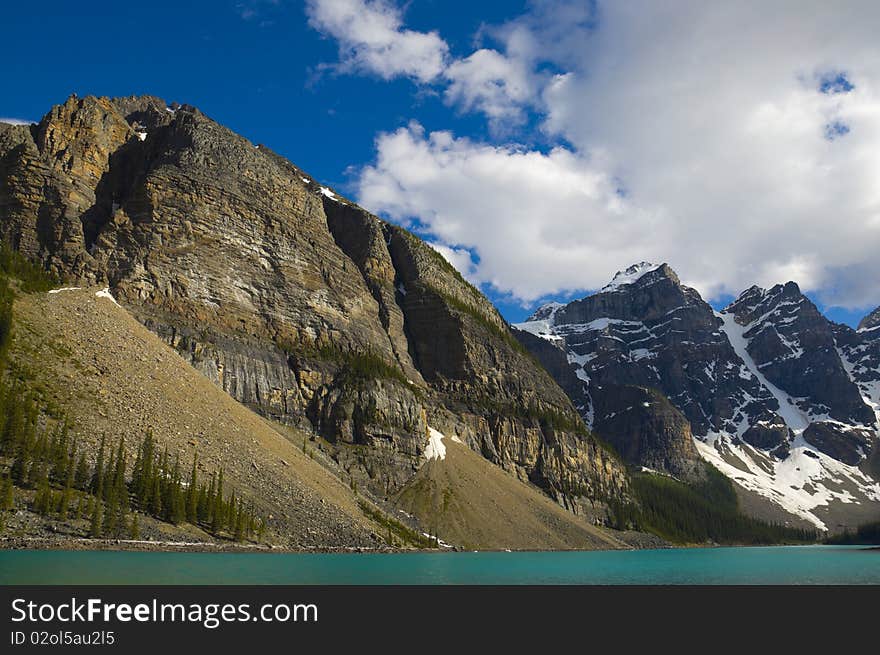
490, 149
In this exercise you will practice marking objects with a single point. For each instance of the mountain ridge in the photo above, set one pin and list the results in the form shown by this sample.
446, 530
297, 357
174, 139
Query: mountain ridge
767, 384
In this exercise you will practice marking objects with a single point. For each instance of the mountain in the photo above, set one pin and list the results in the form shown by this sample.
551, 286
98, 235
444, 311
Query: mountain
292, 299
767, 390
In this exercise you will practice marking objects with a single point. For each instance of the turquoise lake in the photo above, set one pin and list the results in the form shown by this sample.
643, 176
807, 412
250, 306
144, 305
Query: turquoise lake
772, 565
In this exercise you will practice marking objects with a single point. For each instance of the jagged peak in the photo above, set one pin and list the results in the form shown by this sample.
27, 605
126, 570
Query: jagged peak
755, 295
546, 311
748, 299
635, 273
870, 322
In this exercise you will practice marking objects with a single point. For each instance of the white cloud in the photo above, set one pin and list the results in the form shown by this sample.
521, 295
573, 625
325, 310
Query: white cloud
372, 38
15, 121
460, 258
710, 117
530, 218
491, 83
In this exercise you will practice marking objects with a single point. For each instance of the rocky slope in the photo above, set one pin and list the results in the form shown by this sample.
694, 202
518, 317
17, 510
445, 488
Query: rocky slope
859, 352
462, 499
90, 361
292, 299
772, 393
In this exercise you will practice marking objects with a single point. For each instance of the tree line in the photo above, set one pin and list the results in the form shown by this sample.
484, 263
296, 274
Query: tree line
110, 493
697, 513
866, 533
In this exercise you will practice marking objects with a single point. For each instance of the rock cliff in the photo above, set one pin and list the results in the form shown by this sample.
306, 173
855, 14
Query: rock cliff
294, 300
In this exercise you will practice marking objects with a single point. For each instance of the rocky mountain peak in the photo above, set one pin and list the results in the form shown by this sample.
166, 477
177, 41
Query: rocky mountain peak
636, 273
870, 321
793, 346
755, 301
545, 312
764, 385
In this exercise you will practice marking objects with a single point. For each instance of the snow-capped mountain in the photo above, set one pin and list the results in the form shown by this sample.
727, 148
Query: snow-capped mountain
774, 395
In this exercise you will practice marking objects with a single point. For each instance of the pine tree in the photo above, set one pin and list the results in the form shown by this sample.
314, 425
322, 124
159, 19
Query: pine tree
230, 512
156, 496
58, 454
136, 472
43, 500
111, 514
177, 504
239, 524
11, 427
209, 500
135, 530
119, 477
96, 519
97, 484
192, 495
7, 494
81, 476
67, 494
143, 484
218, 514
32, 479
20, 464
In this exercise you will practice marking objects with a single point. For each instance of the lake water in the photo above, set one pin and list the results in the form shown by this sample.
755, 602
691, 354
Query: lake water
772, 565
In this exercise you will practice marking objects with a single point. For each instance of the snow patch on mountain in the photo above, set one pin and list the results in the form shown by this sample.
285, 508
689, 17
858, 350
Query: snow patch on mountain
630, 275
870, 390
435, 449
105, 293
788, 410
328, 193
540, 328
799, 480
800, 483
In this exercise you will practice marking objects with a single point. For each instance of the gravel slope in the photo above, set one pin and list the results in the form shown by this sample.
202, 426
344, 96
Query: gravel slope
468, 502
88, 358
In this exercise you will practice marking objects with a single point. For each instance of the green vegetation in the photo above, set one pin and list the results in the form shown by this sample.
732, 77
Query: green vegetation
867, 533
396, 532
358, 368
699, 513
30, 276
547, 417
48, 461
38, 453
355, 367
478, 317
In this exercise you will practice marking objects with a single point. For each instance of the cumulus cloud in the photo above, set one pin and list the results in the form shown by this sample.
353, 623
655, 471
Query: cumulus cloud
460, 258
492, 83
738, 142
528, 217
372, 39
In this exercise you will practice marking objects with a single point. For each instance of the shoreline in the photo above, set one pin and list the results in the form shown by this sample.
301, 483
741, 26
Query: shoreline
142, 545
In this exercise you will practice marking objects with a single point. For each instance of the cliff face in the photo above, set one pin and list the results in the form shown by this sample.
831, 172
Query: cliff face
294, 300
793, 345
